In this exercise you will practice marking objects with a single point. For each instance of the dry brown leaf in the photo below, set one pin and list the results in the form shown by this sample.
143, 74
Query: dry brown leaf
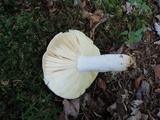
51, 6
143, 91
121, 49
157, 71
82, 4
96, 106
138, 81
49, 3
101, 84
51, 10
5, 82
85, 99
150, 116
157, 90
96, 18
86, 14
15, 82
62, 116
121, 107
71, 108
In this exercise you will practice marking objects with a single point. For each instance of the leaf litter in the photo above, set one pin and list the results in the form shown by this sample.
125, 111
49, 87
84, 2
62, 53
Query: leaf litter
71, 108
129, 8
134, 94
95, 18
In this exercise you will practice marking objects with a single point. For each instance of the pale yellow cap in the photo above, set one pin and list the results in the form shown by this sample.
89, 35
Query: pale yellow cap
60, 64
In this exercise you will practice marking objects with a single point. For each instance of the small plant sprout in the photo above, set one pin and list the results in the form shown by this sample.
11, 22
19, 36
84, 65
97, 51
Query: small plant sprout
134, 37
72, 62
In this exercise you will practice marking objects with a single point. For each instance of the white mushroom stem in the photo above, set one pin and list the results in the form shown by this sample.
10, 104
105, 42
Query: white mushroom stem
104, 63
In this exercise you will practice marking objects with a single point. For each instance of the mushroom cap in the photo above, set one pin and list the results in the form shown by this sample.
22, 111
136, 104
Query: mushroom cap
59, 64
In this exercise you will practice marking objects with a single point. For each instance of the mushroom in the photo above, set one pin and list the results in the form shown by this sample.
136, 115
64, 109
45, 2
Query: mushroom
72, 62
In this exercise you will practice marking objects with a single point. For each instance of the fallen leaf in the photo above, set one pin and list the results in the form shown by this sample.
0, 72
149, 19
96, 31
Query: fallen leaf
62, 116
136, 103
157, 71
49, 3
101, 84
82, 4
157, 28
157, 42
158, 17
158, 114
138, 81
121, 49
5, 82
133, 45
139, 116
97, 106
15, 82
51, 10
50, 6
136, 114
112, 108
125, 95
96, 18
147, 29
120, 107
159, 3
143, 91
86, 14
71, 108
157, 90
121, 103
150, 116
85, 99
145, 117
129, 8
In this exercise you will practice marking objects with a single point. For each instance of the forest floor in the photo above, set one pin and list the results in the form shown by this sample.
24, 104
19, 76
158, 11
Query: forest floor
127, 27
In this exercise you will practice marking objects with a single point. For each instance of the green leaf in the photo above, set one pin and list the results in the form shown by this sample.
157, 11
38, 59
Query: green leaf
130, 40
139, 6
138, 32
131, 1
124, 32
139, 1
114, 78
145, 7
